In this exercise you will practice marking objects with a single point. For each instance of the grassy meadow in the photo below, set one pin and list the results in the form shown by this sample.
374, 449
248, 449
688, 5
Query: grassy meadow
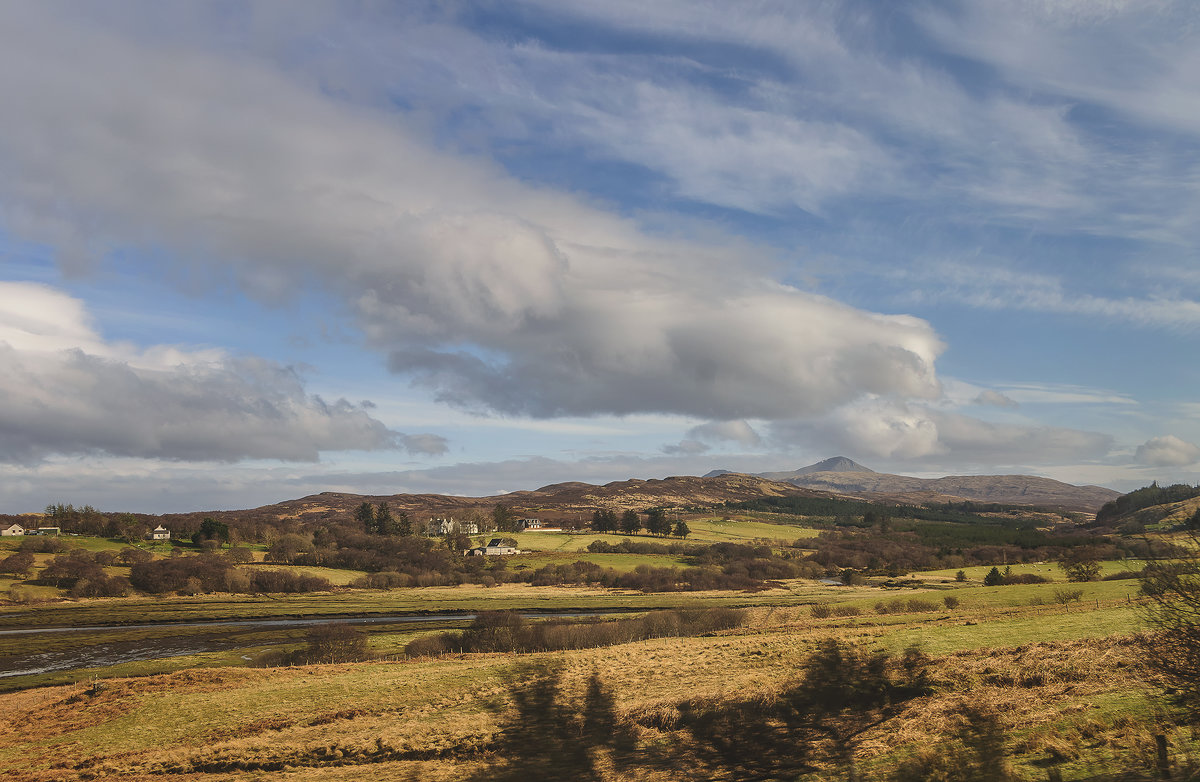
1062, 675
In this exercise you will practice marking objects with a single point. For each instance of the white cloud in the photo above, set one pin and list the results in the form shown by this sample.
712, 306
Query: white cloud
498, 295
896, 430
995, 399
65, 390
1168, 451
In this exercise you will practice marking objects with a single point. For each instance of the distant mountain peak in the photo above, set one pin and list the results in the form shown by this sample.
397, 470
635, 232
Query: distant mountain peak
834, 464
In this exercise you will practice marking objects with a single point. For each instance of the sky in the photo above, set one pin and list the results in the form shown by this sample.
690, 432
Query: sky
255, 251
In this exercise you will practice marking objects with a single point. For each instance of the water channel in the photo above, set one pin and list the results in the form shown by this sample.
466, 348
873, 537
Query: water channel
192, 639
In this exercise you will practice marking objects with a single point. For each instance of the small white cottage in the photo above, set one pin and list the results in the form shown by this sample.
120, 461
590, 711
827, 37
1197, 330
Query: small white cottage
160, 533
15, 529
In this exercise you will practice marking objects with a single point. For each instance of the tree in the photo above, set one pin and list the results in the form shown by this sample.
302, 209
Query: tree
336, 643
960, 575
211, 529
1080, 564
239, 555
681, 529
384, 523
130, 529
605, 520
630, 522
404, 524
504, 519
993, 578
132, 556
657, 522
365, 515
1172, 589
18, 564
1065, 597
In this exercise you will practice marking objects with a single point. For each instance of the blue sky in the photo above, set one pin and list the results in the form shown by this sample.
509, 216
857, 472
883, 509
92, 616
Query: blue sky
250, 252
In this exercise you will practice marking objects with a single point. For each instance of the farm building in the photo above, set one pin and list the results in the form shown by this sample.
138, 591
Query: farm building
15, 529
494, 548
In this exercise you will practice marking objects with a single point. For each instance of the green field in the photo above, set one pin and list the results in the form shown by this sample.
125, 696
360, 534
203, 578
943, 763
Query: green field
1063, 677
703, 530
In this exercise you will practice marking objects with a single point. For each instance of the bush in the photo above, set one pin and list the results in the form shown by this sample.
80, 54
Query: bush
822, 611
950, 601
336, 643
1024, 578
913, 605
19, 564
508, 631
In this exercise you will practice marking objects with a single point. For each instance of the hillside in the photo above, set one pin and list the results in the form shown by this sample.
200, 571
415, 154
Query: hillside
573, 500
1006, 489
840, 475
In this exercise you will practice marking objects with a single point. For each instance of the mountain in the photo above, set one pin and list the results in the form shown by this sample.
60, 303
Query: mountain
843, 476
832, 464
1003, 489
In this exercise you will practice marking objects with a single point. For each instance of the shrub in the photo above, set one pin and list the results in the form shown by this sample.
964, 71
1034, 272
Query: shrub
822, 611
336, 643
18, 564
1024, 578
950, 601
508, 631
846, 610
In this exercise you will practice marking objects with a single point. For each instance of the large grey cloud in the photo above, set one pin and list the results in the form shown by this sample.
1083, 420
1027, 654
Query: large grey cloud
499, 295
64, 390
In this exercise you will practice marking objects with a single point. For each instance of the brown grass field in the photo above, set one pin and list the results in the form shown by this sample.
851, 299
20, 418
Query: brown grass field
1065, 680
1066, 684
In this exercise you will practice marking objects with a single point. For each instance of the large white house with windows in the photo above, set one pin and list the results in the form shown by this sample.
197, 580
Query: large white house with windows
159, 533
447, 526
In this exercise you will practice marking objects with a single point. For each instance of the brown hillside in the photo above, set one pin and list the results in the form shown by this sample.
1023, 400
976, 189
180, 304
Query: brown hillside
556, 502
1007, 489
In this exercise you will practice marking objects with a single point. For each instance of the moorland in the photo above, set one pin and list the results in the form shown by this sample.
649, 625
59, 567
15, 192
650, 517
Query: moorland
744, 629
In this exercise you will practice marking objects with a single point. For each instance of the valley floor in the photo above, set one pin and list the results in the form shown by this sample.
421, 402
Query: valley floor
1064, 682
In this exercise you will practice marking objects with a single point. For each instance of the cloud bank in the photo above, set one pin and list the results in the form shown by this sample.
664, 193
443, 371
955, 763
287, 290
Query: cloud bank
64, 390
497, 295
1168, 451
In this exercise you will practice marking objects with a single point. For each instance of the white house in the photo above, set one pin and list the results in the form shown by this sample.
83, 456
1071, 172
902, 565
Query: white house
494, 548
531, 523
15, 529
159, 533
447, 526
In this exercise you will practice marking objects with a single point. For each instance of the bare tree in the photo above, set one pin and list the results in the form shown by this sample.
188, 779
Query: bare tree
1172, 589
